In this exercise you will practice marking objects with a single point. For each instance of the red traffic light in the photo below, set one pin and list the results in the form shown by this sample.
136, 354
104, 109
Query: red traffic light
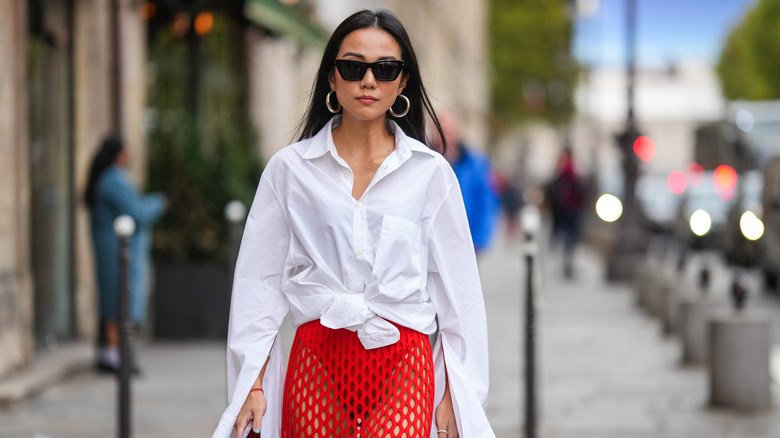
644, 148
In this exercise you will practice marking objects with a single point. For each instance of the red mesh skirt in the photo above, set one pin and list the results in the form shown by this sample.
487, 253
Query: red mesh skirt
337, 388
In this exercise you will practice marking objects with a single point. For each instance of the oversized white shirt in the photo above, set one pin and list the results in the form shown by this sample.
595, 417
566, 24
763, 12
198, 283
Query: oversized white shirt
401, 253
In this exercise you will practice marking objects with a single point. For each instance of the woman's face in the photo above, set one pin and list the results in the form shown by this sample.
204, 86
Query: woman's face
123, 158
367, 98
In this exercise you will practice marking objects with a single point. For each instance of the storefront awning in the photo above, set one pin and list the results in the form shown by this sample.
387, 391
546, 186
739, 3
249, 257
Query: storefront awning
285, 20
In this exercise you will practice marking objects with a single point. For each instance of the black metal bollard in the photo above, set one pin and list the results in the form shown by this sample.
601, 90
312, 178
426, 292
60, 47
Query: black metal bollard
124, 227
531, 223
739, 291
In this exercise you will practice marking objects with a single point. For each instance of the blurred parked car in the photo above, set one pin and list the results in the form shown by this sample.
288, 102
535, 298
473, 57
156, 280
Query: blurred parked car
658, 203
770, 201
702, 230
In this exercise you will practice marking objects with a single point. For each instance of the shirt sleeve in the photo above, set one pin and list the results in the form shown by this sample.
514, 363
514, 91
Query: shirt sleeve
454, 286
257, 309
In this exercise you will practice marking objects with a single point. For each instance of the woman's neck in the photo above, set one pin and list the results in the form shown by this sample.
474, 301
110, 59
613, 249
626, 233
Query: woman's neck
363, 139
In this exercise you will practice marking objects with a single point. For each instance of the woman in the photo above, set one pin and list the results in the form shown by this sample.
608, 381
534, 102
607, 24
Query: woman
109, 195
359, 231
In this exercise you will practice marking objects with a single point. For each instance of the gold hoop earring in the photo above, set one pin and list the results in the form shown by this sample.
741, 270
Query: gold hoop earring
404, 112
327, 103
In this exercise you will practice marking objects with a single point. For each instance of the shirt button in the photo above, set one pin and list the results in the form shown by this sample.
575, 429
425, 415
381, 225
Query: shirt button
360, 204
345, 175
359, 252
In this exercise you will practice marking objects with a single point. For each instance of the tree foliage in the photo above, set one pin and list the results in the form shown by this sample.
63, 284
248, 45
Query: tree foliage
201, 142
533, 73
750, 60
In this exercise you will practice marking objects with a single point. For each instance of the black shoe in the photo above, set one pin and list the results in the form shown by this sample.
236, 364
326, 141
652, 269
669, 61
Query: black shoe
109, 368
106, 367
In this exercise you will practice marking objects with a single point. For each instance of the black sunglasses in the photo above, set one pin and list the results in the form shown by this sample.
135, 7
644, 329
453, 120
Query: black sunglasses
352, 70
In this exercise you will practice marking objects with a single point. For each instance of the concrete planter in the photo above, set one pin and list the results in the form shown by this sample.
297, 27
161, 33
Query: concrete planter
190, 301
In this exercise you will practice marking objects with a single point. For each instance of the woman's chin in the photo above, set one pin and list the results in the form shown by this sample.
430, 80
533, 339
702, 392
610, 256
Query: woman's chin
365, 114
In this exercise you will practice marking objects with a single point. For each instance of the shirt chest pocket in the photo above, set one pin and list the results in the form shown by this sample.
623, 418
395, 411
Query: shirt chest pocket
397, 262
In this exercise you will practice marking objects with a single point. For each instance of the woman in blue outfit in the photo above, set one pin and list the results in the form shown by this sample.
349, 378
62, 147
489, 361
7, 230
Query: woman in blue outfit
110, 194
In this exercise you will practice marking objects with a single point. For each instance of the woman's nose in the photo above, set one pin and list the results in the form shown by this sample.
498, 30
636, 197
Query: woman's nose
368, 79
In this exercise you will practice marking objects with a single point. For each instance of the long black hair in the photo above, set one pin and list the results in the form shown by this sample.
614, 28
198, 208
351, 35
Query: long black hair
413, 124
110, 149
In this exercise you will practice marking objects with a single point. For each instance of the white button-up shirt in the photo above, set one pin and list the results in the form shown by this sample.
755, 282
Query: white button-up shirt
401, 253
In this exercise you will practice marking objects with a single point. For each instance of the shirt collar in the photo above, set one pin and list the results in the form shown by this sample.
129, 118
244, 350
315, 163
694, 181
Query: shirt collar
322, 142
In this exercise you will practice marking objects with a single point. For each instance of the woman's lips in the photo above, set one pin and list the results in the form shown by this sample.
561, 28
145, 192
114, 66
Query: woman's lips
367, 99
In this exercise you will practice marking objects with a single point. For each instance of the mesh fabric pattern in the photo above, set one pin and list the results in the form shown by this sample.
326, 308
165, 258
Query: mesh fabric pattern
337, 388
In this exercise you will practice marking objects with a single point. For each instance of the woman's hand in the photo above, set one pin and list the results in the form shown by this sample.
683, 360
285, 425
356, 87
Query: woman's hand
253, 409
445, 416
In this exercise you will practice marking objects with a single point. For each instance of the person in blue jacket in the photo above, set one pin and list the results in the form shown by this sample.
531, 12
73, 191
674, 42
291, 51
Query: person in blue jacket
475, 176
110, 194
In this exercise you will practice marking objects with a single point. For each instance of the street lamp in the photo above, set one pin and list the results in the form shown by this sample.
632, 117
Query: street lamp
630, 239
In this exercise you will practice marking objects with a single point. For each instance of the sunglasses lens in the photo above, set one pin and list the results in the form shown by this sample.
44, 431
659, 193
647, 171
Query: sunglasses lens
351, 70
386, 71
355, 70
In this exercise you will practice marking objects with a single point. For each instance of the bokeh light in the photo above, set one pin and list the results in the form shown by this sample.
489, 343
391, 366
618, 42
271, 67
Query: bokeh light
531, 219
745, 120
204, 22
751, 226
677, 182
147, 10
644, 148
180, 24
609, 208
701, 222
725, 177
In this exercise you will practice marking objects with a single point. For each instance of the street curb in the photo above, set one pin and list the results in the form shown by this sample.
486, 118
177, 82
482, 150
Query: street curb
46, 369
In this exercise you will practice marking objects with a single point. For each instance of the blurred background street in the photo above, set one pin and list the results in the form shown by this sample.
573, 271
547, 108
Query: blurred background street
645, 134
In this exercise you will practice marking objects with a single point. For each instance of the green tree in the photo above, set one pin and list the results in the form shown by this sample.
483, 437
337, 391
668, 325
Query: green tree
533, 72
750, 60
201, 145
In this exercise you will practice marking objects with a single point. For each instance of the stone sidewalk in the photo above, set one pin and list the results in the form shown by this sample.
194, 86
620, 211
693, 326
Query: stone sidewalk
605, 371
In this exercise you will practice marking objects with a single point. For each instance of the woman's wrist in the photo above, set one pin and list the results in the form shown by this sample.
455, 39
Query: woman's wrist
257, 389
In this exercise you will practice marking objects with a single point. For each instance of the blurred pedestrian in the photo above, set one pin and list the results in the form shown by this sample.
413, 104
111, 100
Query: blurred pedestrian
110, 194
359, 231
565, 197
511, 202
475, 176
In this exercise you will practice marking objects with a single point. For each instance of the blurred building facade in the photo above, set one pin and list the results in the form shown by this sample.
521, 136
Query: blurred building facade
671, 103
16, 283
57, 101
55, 93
